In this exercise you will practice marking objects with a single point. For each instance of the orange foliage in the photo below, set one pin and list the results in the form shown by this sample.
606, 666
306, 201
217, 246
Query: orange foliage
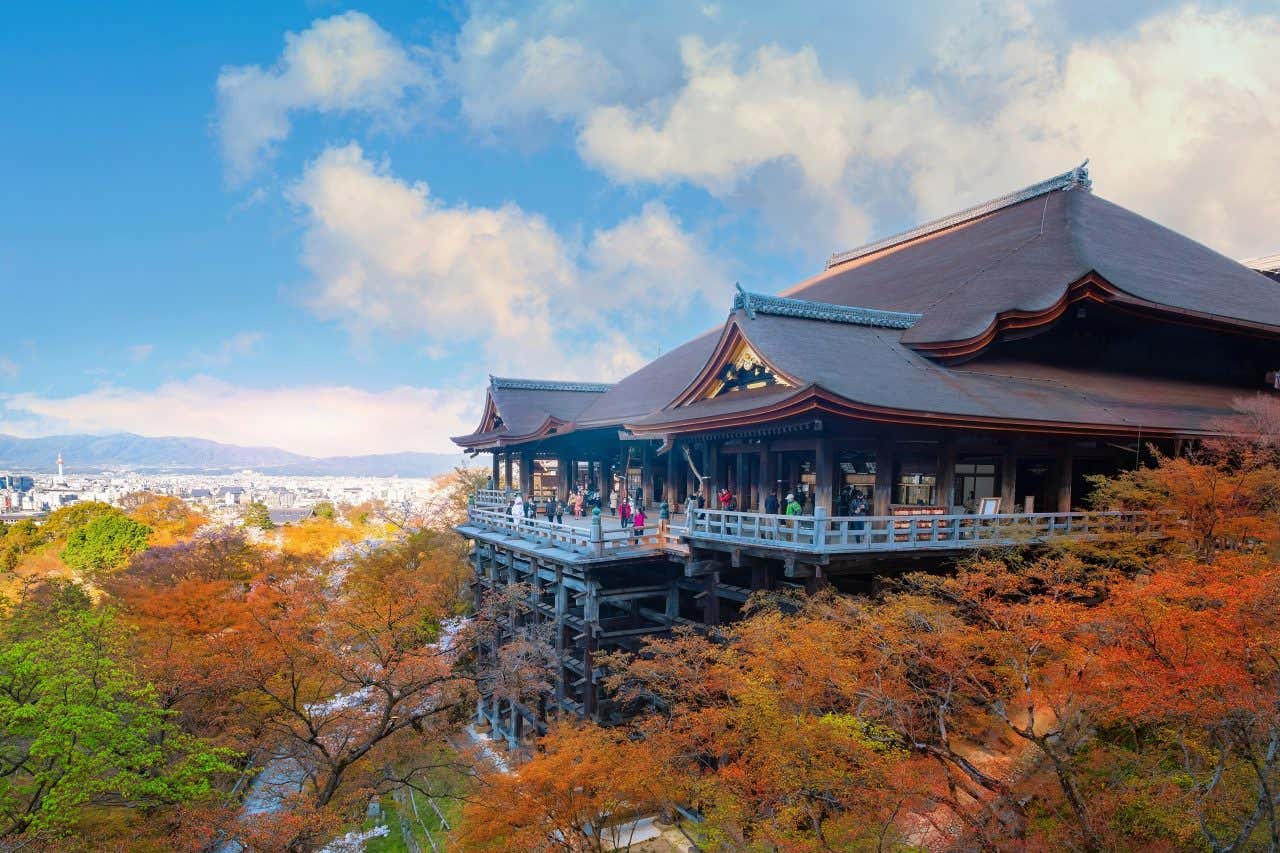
171, 519
578, 793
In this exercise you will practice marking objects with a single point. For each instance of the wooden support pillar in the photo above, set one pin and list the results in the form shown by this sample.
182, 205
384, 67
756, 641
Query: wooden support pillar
768, 477
759, 575
526, 473
946, 480
588, 667
884, 477
710, 600
670, 493
712, 474
824, 469
646, 474
1064, 478
495, 478
562, 607
507, 482
740, 480
813, 582
562, 479
606, 481
1009, 478
673, 593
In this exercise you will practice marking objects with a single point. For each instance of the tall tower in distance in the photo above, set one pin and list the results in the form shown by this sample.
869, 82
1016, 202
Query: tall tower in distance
60, 476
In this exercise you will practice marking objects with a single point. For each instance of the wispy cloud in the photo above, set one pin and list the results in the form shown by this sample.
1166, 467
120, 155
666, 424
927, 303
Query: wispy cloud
237, 346
346, 63
141, 352
387, 256
9, 368
320, 420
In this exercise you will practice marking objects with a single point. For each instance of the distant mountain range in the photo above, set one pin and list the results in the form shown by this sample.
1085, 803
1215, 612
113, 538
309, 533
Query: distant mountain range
128, 452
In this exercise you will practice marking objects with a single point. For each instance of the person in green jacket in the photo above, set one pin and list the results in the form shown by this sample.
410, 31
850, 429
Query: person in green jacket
793, 507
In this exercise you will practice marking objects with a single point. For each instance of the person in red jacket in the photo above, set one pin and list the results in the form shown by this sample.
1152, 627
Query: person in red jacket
725, 497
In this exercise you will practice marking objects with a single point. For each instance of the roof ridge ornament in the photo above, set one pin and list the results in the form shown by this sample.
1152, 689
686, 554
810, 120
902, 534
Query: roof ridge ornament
743, 301
1077, 178
513, 384
807, 309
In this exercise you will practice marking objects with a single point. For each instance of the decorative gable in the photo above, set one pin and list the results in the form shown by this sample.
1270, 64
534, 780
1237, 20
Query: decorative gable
741, 371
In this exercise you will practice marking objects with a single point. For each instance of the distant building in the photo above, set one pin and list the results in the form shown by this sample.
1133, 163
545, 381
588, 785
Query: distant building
16, 482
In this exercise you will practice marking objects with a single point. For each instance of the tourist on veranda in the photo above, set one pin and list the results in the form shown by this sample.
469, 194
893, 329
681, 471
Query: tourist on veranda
613, 503
551, 508
637, 522
531, 507
793, 506
517, 508
624, 510
771, 503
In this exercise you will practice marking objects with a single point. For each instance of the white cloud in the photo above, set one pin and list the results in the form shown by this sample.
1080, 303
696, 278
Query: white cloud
239, 345
141, 352
1176, 112
346, 63
319, 420
385, 255
9, 368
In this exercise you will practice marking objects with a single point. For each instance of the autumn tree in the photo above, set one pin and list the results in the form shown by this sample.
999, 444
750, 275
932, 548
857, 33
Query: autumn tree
171, 519
579, 792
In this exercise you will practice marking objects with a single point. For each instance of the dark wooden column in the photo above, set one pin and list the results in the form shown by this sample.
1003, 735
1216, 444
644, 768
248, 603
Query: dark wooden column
562, 478
712, 474
1064, 477
671, 493
526, 472
606, 481
946, 480
646, 473
884, 477
496, 476
508, 482
1009, 478
824, 468
740, 480
768, 478
710, 600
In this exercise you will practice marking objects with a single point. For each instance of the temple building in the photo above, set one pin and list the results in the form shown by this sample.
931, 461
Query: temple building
921, 395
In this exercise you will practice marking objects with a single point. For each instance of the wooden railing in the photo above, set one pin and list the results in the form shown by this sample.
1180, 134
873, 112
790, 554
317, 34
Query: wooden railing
820, 534
592, 540
493, 497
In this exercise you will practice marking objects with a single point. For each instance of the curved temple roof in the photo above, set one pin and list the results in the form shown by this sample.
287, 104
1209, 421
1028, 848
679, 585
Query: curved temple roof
878, 333
522, 409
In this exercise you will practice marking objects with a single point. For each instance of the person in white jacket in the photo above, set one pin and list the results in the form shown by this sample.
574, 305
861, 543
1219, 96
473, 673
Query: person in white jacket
517, 508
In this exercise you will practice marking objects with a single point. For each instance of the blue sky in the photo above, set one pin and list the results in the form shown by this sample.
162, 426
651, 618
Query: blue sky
320, 225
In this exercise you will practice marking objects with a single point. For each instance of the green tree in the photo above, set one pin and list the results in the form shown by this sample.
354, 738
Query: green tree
105, 544
63, 520
324, 509
257, 515
78, 728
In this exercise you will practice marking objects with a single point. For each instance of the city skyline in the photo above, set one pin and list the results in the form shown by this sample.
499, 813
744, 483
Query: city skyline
284, 228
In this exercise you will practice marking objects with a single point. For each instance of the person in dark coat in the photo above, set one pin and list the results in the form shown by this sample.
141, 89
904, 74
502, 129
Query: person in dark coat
771, 504
551, 508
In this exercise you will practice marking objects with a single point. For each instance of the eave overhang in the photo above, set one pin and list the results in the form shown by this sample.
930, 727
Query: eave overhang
1091, 287
813, 398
